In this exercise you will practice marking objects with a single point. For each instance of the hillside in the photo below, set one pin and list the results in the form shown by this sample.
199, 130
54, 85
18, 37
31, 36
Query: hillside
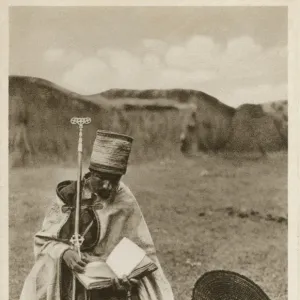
178, 95
250, 127
40, 129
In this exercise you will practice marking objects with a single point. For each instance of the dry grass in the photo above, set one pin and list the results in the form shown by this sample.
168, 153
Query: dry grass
183, 202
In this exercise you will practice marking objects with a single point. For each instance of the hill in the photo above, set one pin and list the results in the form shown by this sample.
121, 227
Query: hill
212, 125
40, 129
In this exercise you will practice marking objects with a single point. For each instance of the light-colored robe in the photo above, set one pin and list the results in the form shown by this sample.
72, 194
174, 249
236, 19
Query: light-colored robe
120, 218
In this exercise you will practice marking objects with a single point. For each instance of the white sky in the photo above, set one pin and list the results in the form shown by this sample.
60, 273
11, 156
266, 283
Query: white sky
237, 54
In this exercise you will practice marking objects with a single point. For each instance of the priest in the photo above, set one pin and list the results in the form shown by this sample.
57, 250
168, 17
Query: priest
109, 212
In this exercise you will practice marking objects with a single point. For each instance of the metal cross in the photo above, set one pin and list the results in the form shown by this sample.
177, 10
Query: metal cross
77, 239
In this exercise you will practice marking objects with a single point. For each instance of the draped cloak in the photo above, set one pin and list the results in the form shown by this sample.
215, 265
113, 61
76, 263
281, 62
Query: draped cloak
50, 278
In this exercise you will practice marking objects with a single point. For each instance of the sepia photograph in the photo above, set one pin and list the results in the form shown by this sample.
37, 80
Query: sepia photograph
148, 152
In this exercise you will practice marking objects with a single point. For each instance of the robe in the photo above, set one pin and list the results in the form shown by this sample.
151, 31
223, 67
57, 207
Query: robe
50, 278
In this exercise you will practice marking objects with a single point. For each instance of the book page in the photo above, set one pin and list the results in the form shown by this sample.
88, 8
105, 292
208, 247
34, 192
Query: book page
98, 269
125, 257
96, 275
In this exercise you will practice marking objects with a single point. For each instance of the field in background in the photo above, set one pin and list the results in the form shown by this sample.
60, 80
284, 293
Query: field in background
204, 213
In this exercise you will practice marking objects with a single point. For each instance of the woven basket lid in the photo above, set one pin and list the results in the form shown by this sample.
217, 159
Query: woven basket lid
110, 152
226, 285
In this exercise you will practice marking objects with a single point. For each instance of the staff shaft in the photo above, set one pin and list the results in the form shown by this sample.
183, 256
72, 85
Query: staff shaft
76, 239
78, 198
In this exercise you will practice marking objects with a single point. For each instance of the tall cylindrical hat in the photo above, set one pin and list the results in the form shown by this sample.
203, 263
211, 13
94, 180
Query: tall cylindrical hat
110, 152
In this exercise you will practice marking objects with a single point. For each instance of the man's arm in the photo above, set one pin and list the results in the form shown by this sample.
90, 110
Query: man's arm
47, 242
155, 285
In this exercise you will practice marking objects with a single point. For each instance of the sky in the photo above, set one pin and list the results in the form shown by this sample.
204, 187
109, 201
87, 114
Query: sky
237, 54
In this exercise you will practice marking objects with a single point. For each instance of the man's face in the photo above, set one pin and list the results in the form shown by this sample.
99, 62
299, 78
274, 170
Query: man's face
103, 184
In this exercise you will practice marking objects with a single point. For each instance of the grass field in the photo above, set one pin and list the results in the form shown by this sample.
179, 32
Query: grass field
204, 213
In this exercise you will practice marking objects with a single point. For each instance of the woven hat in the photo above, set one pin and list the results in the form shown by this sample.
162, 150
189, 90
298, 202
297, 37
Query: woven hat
110, 152
226, 285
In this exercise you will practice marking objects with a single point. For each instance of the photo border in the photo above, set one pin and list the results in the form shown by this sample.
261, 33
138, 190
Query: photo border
293, 118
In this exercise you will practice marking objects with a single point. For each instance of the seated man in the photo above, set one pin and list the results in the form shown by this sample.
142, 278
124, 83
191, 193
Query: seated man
109, 212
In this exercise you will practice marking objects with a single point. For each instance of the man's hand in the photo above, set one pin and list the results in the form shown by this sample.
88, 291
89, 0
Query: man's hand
90, 258
121, 284
73, 261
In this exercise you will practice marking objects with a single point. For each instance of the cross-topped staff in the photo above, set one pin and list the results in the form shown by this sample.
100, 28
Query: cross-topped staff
77, 239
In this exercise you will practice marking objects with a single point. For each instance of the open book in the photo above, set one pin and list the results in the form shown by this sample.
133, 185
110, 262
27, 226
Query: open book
126, 258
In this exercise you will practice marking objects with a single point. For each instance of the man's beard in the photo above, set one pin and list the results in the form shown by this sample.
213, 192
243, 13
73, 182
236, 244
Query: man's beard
98, 194
104, 194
